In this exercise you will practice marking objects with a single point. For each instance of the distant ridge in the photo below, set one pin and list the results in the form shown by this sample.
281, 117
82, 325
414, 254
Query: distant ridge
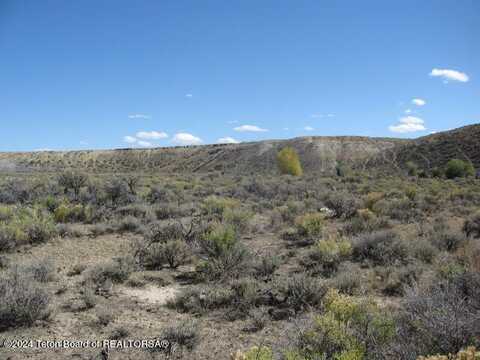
435, 150
318, 155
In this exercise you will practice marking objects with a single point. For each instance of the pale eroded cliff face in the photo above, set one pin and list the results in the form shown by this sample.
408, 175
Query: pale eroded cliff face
318, 154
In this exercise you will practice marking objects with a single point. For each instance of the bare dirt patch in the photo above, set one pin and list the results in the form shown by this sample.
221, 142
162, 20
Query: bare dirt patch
151, 294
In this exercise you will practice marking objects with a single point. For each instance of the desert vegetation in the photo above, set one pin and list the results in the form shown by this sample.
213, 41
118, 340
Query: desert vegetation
295, 266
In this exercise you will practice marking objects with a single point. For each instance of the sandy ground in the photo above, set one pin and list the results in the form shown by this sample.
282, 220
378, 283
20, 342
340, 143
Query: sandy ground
140, 311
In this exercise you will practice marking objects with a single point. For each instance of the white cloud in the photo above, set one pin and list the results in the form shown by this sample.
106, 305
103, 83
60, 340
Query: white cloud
308, 128
151, 135
418, 102
408, 111
408, 124
249, 128
129, 139
227, 140
186, 139
448, 74
188, 95
144, 143
139, 116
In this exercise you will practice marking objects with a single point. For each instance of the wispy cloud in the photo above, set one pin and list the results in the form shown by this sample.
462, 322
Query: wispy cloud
186, 139
139, 116
308, 128
249, 128
449, 74
418, 102
145, 143
319, 116
232, 122
227, 140
129, 139
408, 124
188, 95
151, 135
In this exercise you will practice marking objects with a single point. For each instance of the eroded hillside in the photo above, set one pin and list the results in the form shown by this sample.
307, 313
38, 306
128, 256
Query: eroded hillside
318, 154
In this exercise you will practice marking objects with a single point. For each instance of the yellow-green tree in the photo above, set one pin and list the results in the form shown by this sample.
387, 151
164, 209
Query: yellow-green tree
288, 162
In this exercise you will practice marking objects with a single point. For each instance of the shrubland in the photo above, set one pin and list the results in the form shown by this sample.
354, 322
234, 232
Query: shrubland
361, 266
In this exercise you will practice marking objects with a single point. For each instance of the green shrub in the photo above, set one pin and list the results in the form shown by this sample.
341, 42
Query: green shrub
224, 256
166, 211
87, 294
412, 168
381, 248
67, 213
228, 265
441, 317
184, 334
243, 299
51, 203
300, 292
327, 255
411, 193
266, 265
471, 226
459, 168
238, 218
394, 280
372, 198
6, 213
365, 222
105, 316
139, 211
39, 229
8, 238
215, 206
423, 250
117, 271
158, 233
41, 271
310, 225
26, 226
254, 353
172, 253
129, 224
117, 192
22, 301
348, 279
344, 205
259, 318
288, 162
199, 300
219, 239
445, 238
72, 181
350, 329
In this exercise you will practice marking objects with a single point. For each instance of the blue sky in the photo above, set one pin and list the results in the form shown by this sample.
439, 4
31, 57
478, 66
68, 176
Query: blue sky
114, 73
